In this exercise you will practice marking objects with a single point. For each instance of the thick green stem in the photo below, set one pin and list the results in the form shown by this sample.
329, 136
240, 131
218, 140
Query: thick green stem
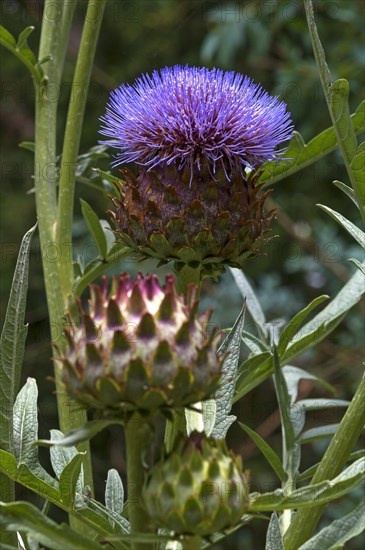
137, 436
346, 137
332, 463
72, 137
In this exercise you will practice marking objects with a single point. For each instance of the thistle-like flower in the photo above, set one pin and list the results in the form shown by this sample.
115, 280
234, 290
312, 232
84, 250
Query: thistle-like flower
198, 489
198, 137
142, 347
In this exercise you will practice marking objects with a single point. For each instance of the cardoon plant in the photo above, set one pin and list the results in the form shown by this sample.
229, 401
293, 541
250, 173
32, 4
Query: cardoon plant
197, 149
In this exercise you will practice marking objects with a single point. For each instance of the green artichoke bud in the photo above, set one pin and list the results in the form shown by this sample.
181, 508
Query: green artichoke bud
198, 489
142, 347
198, 222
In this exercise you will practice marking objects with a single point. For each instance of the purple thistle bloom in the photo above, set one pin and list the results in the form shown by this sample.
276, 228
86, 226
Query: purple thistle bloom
194, 117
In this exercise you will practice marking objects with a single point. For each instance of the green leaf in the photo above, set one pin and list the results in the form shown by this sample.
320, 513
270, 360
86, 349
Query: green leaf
26, 424
252, 303
107, 176
346, 189
47, 488
224, 395
252, 372
22, 51
283, 398
358, 172
321, 403
293, 375
303, 154
293, 326
274, 539
6, 36
253, 343
320, 493
267, 451
338, 94
24, 517
84, 433
27, 145
12, 342
322, 432
328, 319
8, 464
351, 228
114, 492
359, 265
311, 471
95, 228
339, 531
23, 36
69, 479
62, 456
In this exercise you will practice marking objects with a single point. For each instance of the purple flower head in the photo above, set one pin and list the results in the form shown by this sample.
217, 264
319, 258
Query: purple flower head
195, 117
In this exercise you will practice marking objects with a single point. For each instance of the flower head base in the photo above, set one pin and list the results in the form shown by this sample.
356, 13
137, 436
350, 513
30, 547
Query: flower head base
196, 118
141, 346
198, 489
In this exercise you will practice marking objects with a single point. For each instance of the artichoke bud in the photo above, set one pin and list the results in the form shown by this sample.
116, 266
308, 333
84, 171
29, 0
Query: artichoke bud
140, 346
198, 489
200, 221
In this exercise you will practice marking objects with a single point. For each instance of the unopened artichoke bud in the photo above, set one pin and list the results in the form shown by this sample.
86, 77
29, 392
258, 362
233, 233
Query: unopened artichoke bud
141, 346
198, 489
198, 138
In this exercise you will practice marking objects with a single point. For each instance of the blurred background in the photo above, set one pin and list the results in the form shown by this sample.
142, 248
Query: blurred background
268, 41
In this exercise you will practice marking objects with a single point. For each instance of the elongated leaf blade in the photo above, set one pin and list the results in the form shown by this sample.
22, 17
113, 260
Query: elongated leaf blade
322, 432
95, 228
293, 326
274, 539
69, 479
283, 398
60, 455
248, 294
346, 189
267, 451
224, 395
293, 375
351, 228
339, 531
12, 343
84, 433
26, 424
22, 516
114, 492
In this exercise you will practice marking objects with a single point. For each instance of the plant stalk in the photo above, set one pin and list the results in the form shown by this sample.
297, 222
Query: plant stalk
331, 465
75, 115
137, 436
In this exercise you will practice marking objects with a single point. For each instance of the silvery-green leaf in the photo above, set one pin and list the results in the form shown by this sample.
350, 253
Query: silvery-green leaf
350, 227
114, 492
274, 539
61, 456
224, 395
248, 294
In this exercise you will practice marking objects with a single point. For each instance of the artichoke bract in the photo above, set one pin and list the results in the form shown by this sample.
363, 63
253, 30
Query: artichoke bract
140, 346
202, 223
198, 489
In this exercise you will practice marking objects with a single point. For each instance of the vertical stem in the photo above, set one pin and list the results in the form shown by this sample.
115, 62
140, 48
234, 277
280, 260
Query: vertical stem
136, 433
72, 137
334, 459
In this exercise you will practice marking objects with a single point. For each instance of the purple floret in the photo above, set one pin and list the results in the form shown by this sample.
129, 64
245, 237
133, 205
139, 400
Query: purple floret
196, 117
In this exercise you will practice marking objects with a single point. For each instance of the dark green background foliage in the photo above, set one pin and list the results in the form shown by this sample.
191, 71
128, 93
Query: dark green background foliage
267, 40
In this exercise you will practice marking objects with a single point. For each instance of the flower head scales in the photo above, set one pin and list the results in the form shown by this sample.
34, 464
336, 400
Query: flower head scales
195, 117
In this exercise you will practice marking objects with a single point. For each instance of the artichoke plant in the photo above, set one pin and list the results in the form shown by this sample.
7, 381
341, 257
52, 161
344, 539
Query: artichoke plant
198, 489
198, 138
140, 346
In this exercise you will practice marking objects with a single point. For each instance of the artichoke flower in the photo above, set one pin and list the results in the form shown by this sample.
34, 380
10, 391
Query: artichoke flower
198, 489
198, 138
140, 346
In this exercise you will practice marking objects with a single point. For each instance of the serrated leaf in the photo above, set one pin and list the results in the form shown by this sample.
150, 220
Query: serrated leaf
69, 479
303, 154
224, 395
351, 228
293, 375
84, 433
252, 303
12, 342
95, 228
24, 517
274, 539
339, 531
320, 493
293, 326
328, 319
114, 492
322, 432
346, 189
6, 36
267, 451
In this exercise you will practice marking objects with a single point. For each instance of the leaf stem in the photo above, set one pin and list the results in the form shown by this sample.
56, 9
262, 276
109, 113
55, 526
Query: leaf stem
72, 137
136, 433
334, 459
